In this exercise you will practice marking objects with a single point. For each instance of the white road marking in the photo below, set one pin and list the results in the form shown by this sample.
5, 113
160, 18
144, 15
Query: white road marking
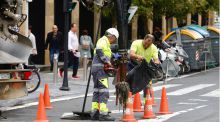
52, 100
184, 103
199, 100
116, 111
80, 96
215, 93
157, 88
157, 98
65, 115
189, 89
163, 118
188, 75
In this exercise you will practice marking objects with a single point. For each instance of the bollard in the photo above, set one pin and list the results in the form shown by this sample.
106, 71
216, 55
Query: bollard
85, 61
206, 59
55, 72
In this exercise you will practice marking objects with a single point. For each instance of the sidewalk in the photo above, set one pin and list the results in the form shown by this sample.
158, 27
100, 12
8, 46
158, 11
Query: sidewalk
77, 87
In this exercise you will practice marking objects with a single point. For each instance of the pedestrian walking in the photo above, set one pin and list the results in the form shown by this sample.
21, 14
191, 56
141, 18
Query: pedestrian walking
54, 40
102, 55
86, 44
34, 48
73, 52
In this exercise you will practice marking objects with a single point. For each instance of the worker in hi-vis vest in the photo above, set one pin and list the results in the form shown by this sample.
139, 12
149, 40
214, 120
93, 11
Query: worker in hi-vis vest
102, 56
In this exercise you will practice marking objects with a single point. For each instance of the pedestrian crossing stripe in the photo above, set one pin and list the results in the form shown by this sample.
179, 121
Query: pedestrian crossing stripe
165, 118
186, 90
215, 93
189, 89
157, 88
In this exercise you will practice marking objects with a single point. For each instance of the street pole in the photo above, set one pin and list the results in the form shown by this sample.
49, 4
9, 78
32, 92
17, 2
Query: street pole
65, 86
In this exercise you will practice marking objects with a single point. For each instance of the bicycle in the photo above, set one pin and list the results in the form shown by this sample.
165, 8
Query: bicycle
34, 78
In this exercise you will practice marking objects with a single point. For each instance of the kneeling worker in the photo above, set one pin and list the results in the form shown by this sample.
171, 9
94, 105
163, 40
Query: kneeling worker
102, 56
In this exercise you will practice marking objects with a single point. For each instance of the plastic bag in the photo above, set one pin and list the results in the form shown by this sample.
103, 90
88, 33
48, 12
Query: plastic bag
140, 76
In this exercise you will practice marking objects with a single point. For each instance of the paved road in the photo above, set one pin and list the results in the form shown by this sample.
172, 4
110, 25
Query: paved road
191, 99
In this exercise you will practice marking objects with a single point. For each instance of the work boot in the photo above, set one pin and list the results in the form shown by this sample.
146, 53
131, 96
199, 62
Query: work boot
106, 118
95, 115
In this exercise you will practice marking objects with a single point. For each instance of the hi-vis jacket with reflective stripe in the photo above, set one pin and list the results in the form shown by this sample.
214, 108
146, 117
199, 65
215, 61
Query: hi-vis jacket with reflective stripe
102, 55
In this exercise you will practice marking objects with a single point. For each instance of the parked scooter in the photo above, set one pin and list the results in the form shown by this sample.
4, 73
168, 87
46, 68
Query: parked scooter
177, 54
167, 58
181, 59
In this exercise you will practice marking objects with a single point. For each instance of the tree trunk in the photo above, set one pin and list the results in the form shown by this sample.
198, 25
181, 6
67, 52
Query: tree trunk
174, 22
164, 26
150, 25
134, 27
75, 15
200, 19
169, 25
211, 18
96, 24
189, 18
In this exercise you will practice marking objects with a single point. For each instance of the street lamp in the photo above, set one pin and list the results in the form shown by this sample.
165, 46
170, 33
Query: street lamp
68, 6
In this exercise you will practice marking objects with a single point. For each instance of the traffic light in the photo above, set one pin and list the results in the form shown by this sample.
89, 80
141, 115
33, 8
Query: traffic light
69, 5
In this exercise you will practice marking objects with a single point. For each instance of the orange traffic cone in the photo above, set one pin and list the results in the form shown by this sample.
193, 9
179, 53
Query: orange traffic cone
148, 109
129, 114
137, 103
41, 113
47, 97
152, 95
164, 103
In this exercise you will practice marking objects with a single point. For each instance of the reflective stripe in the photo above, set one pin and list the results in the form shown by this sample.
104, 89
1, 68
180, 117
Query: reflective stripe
98, 48
95, 106
100, 90
104, 82
103, 108
97, 65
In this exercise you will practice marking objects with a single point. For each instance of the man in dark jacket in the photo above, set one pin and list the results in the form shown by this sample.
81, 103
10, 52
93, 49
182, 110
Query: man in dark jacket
55, 42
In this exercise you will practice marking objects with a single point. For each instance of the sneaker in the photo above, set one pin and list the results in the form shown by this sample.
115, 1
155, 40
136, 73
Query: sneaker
60, 73
75, 77
106, 118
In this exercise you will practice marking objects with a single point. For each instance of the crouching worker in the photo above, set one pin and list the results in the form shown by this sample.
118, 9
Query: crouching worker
102, 56
143, 49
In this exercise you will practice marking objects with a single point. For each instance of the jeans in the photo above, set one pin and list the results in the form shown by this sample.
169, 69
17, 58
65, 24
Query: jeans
52, 53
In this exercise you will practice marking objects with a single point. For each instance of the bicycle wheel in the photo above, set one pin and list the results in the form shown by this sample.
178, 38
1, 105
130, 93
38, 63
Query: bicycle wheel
34, 82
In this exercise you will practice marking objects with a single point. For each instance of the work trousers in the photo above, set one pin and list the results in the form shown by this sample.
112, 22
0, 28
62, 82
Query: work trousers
101, 93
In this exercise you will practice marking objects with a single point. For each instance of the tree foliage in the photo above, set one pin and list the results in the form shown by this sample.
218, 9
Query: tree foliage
174, 8
169, 8
145, 7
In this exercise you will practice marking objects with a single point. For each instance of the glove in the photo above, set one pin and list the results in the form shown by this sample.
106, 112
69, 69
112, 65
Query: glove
116, 56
